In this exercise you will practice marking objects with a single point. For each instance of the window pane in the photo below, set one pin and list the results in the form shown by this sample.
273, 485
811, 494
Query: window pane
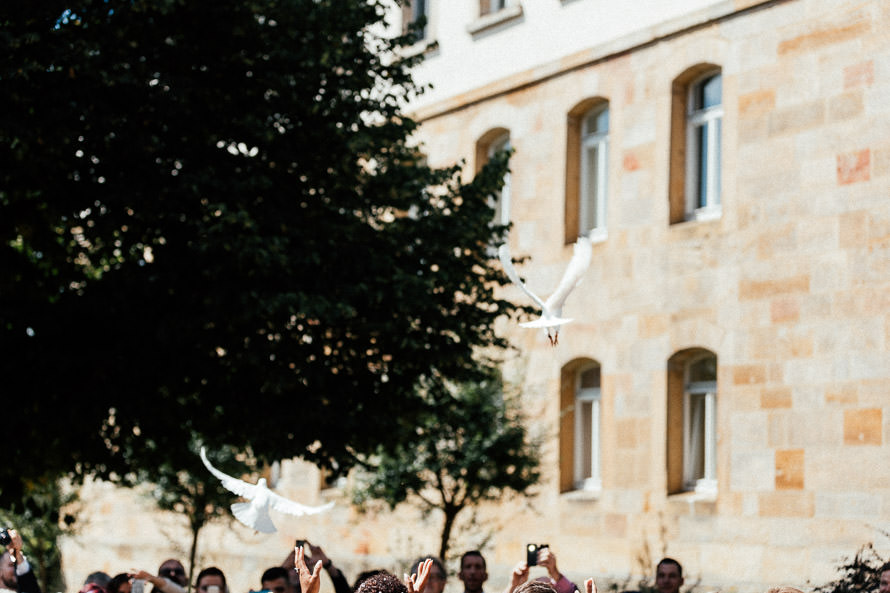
703, 370
715, 162
708, 93
702, 137
696, 469
419, 7
501, 201
590, 378
585, 410
712, 91
597, 122
592, 180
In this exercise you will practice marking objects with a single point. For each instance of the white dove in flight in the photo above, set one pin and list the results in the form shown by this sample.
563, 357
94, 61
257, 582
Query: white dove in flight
551, 309
255, 513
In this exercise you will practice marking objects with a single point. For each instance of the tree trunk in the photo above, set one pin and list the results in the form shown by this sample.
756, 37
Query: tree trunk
450, 515
196, 525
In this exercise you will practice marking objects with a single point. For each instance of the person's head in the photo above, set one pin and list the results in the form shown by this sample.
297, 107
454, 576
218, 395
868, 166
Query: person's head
884, 574
174, 570
275, 579
535, 586
436, 581
98, 578
7, 572
382, 582
210, 577
119, 583
364, 576
473, 571
668, 576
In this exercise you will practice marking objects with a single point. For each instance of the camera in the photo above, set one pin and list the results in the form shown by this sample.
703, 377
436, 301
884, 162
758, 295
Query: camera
531, 553
5, 538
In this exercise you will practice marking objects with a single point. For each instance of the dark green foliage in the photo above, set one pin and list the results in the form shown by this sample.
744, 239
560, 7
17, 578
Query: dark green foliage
44, 514
470, 446
212, 226
859, 574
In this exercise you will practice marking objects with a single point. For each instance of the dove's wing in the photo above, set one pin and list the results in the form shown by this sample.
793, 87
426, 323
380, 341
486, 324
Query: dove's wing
574, 273
284, 505
239, 487
504, 256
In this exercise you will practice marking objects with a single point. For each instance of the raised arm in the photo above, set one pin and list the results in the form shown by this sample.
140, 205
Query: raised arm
517, 577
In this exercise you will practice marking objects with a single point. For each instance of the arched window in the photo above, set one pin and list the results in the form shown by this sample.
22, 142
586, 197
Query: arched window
594, 171
696, 139
587, 170
700, 425
580, 426
492, 142
587, 429
703, 128
692, 422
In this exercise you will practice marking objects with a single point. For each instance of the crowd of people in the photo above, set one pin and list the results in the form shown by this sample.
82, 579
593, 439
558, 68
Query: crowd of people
300, 572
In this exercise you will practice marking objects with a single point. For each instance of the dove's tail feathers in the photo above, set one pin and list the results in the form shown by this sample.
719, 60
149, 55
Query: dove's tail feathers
253, 517
545, 322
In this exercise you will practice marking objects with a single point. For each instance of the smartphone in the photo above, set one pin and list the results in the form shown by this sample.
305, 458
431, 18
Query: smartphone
300, 543
138, 586
531, 553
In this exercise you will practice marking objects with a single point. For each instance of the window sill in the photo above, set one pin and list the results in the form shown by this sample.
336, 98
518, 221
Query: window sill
693, 496
693, 503
585, 495
424, 46
598, 235
489, 21
704, 214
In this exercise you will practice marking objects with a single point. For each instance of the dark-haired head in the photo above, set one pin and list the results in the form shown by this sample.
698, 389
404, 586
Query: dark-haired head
382, 582
671, 561
209, 577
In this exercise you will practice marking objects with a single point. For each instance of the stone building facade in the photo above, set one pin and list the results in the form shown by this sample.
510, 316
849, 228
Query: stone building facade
723, 393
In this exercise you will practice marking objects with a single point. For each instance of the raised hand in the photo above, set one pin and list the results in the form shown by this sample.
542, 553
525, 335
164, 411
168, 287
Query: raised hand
417, 582
547, 559
310, 582
518, 576
590, 586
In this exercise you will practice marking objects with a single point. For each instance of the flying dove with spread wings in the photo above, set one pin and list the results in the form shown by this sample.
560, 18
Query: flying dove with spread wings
255, 512
551, 309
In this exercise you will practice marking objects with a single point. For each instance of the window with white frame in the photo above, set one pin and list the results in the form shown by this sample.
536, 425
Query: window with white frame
489, 6
594, 171
703, 141
501, 201
413, 11
587, 429
700, 425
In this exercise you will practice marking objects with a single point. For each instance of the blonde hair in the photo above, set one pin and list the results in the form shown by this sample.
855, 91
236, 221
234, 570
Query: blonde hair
783, 590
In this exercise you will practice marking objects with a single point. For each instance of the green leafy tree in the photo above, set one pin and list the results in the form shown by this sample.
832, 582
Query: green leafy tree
213, 224
470, 446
